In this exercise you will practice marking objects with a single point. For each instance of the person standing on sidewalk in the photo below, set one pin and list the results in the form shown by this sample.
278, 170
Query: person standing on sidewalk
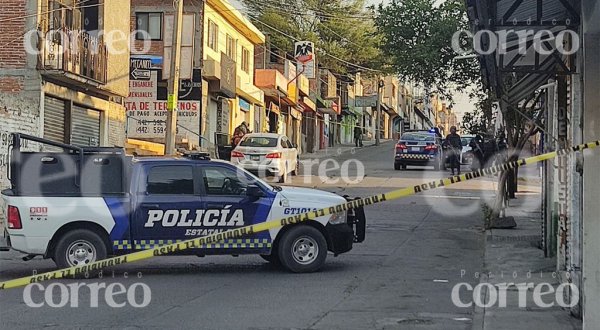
455, 146
358, 136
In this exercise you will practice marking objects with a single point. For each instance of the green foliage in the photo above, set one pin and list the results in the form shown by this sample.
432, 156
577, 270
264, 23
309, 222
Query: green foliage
417, 38
340, 28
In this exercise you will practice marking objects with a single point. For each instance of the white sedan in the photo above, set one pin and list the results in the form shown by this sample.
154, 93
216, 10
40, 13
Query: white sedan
266, 154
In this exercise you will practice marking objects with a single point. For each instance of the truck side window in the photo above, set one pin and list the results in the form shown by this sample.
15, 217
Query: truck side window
223, 181
170, 180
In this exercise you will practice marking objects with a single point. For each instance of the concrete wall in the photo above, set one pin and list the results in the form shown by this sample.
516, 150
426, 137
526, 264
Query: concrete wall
591, 179
115, 18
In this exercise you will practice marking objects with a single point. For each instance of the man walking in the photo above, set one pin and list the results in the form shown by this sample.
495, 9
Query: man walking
455, 146
358, 136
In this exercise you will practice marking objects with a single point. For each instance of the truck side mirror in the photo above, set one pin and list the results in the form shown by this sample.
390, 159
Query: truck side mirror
254, 191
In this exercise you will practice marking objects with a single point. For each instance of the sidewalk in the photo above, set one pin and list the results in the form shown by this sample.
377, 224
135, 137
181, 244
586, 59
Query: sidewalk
513, 256
338, 150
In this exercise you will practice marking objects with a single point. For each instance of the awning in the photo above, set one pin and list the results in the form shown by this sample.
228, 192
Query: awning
327, 106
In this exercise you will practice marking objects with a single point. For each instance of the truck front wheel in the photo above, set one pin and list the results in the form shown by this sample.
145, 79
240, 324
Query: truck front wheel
79, 247
302, 249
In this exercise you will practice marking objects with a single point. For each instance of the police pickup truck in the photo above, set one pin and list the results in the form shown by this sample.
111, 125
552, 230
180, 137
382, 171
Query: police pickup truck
79, 205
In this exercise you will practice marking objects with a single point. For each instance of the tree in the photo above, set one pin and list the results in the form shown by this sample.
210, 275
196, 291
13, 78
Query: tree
342, 30
480, 120
417, 38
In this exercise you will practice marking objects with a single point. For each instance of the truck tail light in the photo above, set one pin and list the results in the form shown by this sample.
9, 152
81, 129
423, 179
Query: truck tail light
14, 218
237, 154
274, 155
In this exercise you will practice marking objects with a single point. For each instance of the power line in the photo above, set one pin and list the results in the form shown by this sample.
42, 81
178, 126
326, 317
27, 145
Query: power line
319, 49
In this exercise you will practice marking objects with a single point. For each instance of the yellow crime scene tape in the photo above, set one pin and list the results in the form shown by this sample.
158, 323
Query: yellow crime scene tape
273, 224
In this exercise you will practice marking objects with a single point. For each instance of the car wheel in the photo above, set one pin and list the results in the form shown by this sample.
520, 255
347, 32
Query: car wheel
284, 177
397, 166
404, 167
295, 171
79, 247
302, 249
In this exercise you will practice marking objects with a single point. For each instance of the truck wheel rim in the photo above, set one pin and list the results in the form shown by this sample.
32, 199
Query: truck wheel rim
81, 253
305, 250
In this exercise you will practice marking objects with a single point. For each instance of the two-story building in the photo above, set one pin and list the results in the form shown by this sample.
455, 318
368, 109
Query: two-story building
63, 71
217, 91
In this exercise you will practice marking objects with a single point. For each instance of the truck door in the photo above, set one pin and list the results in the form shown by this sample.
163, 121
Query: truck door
167, 199
227, 206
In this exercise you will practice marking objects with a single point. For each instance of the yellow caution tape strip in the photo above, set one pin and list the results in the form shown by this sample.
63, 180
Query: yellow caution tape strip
252, 229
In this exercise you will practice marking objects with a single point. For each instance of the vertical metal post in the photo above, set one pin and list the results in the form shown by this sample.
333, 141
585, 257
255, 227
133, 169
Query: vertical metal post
378, 119
173, 97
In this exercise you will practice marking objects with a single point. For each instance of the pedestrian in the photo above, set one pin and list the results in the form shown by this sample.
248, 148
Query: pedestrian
454, 144
358, 136
239, 133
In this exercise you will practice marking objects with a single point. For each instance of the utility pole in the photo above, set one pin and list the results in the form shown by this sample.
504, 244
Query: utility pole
173, 87
378, 119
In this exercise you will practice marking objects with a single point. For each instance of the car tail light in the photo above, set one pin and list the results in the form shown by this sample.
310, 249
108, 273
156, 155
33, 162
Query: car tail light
432, 147
14, 218
274, 155
401, 146
237, 154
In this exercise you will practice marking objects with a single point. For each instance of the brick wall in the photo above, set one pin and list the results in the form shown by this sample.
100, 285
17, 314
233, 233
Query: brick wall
19, 112
12, 30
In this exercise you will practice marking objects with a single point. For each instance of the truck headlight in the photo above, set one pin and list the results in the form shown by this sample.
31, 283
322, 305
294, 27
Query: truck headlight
338, 218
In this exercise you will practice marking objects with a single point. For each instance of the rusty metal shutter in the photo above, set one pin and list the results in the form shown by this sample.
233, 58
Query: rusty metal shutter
54, 119
85, 127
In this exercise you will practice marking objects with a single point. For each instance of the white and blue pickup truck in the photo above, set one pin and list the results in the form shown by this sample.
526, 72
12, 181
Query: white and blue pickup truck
79, 205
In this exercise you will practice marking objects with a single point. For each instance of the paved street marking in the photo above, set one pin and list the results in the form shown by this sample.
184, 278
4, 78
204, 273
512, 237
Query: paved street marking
252, 229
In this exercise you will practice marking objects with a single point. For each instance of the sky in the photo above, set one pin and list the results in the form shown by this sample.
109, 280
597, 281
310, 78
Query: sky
463, 103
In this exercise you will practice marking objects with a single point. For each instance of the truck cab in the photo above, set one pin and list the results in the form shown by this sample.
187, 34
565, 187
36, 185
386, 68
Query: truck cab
78, 205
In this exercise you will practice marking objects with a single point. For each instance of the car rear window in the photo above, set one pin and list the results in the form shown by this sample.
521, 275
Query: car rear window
417, 137
257, 142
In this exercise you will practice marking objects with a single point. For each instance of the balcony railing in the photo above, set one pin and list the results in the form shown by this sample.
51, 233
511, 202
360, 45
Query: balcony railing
74, 52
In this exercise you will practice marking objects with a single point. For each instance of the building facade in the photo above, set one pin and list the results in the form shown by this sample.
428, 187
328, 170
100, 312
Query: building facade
213, 101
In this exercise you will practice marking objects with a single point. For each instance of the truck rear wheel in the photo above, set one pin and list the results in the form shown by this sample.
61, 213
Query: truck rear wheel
302, 249
79, 247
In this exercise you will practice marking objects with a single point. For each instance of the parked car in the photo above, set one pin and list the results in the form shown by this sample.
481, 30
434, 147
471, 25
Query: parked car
267, 154
422, 148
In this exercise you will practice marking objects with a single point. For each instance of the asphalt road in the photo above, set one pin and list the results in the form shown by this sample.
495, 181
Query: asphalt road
401, 277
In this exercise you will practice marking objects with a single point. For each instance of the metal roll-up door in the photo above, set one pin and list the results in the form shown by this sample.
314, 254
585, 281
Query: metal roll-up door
54, 119
85, 127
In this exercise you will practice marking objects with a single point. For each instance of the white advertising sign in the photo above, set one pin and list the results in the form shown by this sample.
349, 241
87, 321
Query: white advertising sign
147, 116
